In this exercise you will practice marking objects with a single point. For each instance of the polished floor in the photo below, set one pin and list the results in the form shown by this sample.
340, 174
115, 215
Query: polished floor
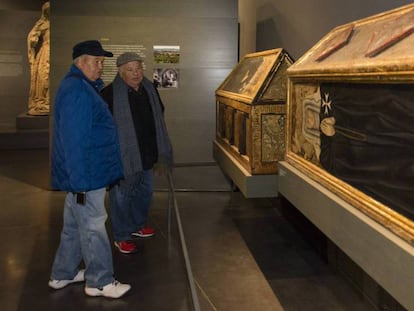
244, 254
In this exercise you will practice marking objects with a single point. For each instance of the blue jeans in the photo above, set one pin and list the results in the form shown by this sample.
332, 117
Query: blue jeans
129, 202
84, 236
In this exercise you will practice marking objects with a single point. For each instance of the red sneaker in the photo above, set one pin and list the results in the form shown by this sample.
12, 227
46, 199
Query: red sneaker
144, 232
126, 247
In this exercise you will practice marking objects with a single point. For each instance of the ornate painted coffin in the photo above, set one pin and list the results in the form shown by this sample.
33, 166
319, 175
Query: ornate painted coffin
350, 120
251, 111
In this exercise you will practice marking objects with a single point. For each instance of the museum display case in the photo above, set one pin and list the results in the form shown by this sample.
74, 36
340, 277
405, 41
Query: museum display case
251, 121
251, 111
350, 116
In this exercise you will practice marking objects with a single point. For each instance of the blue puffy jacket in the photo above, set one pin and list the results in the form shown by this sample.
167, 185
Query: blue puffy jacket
85, 151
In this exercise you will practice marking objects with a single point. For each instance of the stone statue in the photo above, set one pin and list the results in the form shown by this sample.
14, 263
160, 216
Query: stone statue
38, 53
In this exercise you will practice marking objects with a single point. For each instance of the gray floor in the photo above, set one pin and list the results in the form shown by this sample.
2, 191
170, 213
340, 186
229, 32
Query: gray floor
244, 254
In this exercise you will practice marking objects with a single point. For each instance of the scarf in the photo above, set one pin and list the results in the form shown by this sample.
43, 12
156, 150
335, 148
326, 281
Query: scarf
130, 151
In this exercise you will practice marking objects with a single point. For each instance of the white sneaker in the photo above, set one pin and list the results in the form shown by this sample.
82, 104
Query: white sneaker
112, 290
58, 284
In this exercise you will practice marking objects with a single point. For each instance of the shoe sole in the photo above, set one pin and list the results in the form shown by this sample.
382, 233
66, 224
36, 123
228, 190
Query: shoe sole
65, 283
53, 286
124, 252
93, 292
142, 235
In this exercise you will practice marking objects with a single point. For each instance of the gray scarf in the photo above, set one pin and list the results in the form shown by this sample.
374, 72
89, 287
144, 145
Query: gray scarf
130, 152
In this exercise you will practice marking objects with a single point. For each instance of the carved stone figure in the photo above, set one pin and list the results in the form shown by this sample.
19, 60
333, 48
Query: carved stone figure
38, 53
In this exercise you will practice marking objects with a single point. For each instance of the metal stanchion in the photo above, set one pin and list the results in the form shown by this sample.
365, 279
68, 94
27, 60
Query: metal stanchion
172, 203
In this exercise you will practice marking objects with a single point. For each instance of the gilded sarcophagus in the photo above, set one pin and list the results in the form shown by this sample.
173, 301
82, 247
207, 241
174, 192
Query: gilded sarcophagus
251, 111
350, 118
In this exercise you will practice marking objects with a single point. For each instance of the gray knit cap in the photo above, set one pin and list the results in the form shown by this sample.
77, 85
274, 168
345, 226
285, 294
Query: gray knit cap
127, 57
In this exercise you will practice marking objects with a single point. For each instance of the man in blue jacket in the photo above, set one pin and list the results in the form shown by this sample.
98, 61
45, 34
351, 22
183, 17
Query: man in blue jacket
85, 161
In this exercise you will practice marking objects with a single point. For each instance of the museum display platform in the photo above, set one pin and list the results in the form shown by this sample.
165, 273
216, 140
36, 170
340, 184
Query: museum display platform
252, 186
30, 132
385, 257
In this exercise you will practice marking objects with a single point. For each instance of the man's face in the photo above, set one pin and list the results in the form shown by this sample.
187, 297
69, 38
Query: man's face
91, 66
132, 73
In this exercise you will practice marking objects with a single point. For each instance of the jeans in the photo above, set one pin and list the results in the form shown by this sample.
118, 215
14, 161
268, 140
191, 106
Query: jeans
84, 237
129, 203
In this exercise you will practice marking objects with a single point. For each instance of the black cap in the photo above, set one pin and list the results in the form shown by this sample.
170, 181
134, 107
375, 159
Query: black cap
90, 47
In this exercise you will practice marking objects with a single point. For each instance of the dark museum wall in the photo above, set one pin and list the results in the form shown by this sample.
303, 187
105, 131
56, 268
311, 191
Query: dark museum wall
297, 25
205, 30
